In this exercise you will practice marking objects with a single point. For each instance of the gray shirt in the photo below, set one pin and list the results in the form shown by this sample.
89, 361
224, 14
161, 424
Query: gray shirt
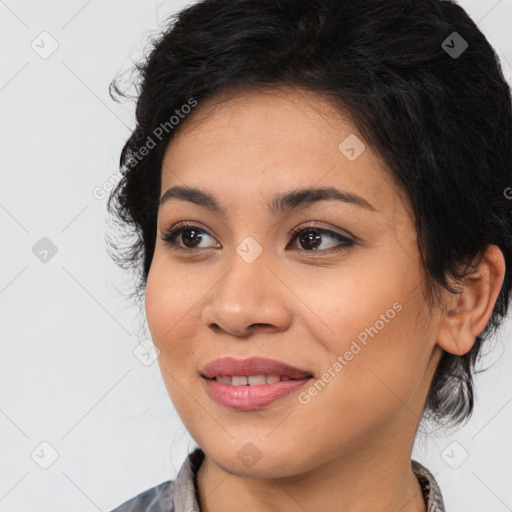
180, 495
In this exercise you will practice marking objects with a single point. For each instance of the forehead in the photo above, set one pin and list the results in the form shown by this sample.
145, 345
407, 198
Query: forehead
234, 111
270, 140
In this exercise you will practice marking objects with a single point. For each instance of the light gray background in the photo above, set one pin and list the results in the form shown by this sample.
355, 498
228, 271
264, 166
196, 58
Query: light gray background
68, 373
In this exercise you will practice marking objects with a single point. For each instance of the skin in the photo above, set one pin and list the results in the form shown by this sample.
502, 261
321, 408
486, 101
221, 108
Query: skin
349, 448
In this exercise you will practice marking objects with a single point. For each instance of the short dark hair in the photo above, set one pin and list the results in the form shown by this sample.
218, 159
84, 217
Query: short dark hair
441, 122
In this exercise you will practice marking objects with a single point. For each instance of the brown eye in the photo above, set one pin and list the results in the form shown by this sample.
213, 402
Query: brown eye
311, 238
189, 235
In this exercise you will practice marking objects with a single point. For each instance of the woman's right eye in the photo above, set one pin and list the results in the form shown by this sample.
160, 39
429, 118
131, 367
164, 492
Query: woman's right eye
189, 234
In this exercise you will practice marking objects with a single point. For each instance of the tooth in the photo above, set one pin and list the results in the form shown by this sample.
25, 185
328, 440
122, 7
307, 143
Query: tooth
251, 380
239, 380
256, 380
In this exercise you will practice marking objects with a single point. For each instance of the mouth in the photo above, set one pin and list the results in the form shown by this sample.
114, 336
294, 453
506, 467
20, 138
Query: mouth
252, 380
254, 383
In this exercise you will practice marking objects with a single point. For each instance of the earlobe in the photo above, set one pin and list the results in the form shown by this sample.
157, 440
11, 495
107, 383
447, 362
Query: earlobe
466, 314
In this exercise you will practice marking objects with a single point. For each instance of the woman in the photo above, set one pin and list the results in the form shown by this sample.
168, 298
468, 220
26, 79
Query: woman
324, 243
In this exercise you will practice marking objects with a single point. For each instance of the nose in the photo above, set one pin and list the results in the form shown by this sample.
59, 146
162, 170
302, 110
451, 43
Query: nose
248, 298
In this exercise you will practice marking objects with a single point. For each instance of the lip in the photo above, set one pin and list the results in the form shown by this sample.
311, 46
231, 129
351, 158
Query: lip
244, 398
252, 366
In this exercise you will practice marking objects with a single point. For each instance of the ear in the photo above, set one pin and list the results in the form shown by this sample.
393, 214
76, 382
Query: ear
466, 313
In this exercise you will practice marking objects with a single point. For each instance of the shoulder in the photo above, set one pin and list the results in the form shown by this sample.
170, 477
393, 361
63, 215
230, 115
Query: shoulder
156, 499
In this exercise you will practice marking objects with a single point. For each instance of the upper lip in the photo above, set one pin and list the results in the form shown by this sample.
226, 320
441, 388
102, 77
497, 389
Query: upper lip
251, 366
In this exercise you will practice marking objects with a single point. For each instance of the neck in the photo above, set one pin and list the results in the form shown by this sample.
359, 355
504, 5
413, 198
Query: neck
352, 483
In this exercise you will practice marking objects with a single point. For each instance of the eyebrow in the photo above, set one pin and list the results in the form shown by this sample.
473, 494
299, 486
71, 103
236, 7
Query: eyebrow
281, 203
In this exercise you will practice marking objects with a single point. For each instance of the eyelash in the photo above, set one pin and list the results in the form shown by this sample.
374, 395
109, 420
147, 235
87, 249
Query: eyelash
345, 243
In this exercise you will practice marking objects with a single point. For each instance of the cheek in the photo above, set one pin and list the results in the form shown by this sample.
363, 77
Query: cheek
345, 307
169, 295
373, 318
169, 301
383, 362
172, 332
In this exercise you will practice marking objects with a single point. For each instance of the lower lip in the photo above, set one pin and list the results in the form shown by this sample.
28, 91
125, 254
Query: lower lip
244, 398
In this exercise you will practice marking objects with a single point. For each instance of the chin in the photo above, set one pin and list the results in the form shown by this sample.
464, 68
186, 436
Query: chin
262, 469
248, 461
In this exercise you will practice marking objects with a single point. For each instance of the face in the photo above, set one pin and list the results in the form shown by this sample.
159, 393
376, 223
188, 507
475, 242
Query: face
329, 284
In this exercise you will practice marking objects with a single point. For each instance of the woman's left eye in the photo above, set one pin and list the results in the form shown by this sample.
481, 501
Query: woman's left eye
310, 237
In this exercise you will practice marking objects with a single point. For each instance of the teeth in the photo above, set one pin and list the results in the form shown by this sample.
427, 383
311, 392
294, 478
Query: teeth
239, 381
256, 380
251, 380
223, 379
